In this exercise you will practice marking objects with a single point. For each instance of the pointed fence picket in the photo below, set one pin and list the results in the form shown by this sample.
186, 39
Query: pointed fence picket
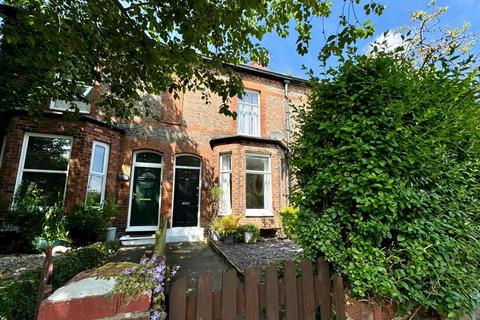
303, 295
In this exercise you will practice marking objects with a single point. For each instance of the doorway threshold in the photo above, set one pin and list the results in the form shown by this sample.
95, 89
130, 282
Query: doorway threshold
185, 234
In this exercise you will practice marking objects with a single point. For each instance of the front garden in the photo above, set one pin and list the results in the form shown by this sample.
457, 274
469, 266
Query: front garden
35, 227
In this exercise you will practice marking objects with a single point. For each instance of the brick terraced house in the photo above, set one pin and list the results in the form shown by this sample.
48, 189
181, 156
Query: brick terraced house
167, 167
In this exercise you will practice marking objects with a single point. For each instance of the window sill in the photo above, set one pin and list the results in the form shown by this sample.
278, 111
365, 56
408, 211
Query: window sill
261, 213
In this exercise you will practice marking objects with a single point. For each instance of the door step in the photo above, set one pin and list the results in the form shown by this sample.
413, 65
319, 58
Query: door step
130, 240
185, 234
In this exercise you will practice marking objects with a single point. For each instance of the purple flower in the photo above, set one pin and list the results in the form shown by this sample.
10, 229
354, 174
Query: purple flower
143, 261
155, 315
158, 288
129, 271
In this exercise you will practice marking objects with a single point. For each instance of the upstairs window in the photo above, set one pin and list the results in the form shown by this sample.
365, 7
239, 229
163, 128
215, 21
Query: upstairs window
98, 174
258, 186
44, 162
226, 184
248, 114
84, 91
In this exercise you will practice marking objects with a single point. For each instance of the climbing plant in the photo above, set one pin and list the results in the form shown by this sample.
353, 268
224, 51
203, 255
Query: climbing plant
387, 161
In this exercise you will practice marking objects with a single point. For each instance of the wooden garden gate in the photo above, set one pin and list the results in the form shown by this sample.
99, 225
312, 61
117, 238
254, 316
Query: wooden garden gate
295, 296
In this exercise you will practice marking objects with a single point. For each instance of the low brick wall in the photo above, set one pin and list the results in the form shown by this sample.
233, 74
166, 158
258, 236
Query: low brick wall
88, 298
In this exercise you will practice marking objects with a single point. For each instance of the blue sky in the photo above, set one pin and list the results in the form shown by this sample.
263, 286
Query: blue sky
284, 57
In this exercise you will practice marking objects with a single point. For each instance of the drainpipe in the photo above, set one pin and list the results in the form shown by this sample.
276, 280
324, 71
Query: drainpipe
287, 112
288, 138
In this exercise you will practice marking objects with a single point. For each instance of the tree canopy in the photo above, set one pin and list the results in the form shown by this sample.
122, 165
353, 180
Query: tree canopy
149, 46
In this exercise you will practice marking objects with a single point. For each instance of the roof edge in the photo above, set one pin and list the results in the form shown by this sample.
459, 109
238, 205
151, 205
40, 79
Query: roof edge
240, 138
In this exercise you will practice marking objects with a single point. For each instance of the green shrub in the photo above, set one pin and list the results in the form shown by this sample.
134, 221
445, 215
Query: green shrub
225, 225
289, 216
87, 223
76, 261
250, 228
28, 214
387, 162
18, 296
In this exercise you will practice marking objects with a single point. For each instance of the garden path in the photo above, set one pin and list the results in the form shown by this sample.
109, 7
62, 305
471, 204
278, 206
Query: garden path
195, 258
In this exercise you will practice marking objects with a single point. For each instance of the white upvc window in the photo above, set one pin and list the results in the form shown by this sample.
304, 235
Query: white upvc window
225, 184
248, 114
85, 91
44, 161
258, 184
98, 173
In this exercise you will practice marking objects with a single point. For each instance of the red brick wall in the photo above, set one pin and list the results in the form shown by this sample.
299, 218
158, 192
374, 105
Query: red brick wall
83, 134
187, 125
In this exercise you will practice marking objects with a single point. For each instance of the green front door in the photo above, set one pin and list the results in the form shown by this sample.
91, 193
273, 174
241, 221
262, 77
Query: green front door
145, 197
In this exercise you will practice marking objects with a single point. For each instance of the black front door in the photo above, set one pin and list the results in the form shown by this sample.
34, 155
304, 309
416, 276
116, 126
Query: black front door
185, 198
145, 197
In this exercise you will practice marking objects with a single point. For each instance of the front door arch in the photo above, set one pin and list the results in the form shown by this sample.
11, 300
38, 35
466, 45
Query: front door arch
145, 191
186, 191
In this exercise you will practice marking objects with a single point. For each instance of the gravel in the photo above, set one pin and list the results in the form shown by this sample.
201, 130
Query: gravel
15, 265
262, 253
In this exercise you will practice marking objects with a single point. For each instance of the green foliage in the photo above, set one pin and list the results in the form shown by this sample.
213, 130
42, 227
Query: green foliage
18, 296
388, 164
225, 225
87, 223
152, 274
28, 214
289, 216
149, 47
78, 260
54, 231
110, 210
250, 228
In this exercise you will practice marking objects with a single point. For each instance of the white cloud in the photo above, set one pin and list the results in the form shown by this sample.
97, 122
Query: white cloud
387, 42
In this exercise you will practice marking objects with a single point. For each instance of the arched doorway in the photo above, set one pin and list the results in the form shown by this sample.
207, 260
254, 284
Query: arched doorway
186, 192
145, 191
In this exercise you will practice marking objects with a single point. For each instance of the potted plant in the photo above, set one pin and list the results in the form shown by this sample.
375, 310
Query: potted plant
250, 233
110, 209
216, 229
229, 226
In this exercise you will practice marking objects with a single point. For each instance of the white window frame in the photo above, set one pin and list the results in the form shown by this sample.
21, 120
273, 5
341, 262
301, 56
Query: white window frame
70, 107
23, 154
224, 211
242, 116
104, 172
267, 191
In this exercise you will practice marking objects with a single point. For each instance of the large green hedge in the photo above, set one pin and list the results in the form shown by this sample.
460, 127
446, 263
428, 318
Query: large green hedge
18, 296
387, 167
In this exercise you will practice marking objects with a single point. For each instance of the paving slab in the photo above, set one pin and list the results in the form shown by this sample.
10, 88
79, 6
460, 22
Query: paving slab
195, 258
131, 254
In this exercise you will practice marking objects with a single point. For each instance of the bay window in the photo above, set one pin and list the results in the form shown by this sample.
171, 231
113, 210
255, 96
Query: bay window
226, 184
98, 174
258, 186
248, 114
44, 162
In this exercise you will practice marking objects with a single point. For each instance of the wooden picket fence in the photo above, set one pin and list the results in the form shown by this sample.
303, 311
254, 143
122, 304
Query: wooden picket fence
293, 297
